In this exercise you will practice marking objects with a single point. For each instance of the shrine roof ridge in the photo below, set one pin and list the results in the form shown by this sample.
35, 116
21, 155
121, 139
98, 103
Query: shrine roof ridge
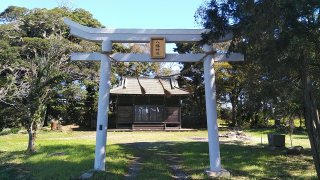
130, 85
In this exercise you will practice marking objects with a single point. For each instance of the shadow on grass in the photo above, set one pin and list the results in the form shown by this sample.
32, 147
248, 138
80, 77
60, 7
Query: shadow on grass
85, 129
61, 162
260, 163
242, 161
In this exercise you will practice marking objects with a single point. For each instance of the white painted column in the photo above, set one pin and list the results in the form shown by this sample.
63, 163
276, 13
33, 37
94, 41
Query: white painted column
103, 108
211, 109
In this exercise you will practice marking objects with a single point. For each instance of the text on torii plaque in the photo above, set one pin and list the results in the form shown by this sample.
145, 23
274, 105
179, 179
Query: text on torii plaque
157, 47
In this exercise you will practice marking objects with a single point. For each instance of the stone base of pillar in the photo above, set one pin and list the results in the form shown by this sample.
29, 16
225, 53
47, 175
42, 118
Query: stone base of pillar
222, 172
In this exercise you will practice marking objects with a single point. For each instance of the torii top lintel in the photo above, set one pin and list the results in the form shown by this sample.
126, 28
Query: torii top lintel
137, 35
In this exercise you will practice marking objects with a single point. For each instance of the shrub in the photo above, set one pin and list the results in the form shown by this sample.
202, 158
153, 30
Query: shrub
15, 130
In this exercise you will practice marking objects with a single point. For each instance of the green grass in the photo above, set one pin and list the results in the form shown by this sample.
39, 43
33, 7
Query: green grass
78, 157
244, 159
271, 122
248, 162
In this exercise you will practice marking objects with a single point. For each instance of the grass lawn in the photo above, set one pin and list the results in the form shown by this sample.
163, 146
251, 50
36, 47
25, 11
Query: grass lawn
69, 154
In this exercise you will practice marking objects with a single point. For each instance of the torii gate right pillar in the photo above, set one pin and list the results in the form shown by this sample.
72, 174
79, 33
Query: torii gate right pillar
212, 123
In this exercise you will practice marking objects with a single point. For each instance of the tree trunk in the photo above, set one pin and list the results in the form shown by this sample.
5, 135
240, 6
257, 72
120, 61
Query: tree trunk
264, 111
256, 119
251, 112
234, 98
199, 106
202, 107
300, 121
311, 114
233, 108
234, 116
32, 137
47, 116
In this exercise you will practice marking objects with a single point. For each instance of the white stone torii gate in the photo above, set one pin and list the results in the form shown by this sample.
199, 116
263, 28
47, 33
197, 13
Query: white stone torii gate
107, 36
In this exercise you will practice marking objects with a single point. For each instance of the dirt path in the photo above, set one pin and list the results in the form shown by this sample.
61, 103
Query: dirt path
134, 169
176, 169
149, 150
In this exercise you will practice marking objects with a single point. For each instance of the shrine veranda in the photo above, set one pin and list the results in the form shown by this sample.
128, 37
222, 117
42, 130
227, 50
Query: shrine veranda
107, 36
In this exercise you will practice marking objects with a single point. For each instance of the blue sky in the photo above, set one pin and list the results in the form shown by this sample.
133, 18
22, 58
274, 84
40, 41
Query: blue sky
142, 14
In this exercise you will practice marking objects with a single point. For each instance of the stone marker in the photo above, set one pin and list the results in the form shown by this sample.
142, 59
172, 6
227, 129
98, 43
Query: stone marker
86, 176
222, 172
295, 150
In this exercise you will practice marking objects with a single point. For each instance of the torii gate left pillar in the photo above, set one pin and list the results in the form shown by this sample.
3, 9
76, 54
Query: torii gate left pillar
107, 36
103, 108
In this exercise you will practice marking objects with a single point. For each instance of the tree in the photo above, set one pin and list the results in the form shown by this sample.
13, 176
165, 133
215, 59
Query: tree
35, 50
121, 69
29, 86
29, 36
279, 36
193, 75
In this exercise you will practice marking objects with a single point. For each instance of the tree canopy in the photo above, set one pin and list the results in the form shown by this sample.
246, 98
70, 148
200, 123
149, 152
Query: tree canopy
280, 39
37, 78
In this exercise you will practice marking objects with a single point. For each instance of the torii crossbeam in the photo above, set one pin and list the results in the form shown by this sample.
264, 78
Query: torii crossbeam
107, 36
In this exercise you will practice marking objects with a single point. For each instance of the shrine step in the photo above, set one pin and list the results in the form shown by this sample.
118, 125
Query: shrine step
148, 126
168, 128
124, 126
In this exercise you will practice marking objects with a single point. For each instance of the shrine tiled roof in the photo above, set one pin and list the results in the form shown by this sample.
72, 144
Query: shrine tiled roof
152, 86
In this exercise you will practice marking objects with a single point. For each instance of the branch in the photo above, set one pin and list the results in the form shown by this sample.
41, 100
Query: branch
314, 64
10, 104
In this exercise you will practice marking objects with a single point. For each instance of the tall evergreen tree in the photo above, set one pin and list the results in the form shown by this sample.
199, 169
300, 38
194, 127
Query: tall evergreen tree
280, 36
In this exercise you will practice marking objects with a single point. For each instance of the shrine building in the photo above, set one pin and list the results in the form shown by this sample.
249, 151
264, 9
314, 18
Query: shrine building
151, 111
